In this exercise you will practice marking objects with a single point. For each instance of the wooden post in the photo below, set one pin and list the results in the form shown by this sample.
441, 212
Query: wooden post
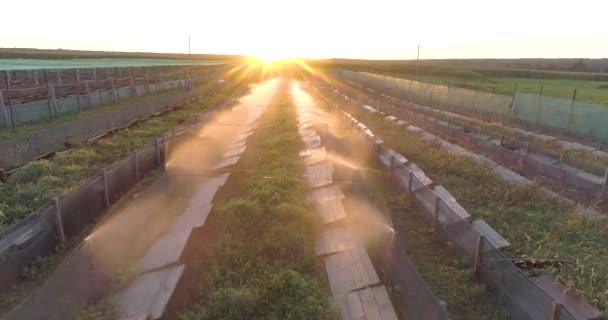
136, 165
8, 99
571, 115
105, 188
477, 258
561, 168
436, 213
53, 100
46, 81
59, 82
539, 102
158, 159
605, 183
96, 73
113, 89
59, 221
410, 179
87, 87
78, 89
556, 310
36, 82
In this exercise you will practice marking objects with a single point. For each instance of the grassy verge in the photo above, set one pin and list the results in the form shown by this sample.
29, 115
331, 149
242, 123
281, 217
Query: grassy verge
535, 226
261, 262
42, 180
33, 126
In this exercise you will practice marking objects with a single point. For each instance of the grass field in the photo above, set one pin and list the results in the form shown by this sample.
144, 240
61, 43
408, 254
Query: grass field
589, 91
591, 87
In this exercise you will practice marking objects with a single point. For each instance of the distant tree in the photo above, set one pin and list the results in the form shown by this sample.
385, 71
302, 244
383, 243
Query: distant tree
579, 65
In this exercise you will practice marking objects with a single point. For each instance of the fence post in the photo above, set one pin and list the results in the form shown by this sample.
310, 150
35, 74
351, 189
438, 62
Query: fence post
10, 108
605, 183
136, 165
87, 87
410, 179
59, 82
539, 103
158, 159
78, 88
52, 100
477, 258
113, 89
131, 84
556, 310
48, 90
561, 169
436, 213
98, 85
59, 221
106, 190
9, 100
570, 115
147, 87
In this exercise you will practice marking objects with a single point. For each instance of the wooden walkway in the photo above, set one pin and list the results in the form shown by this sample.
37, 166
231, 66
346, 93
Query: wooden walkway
354, 283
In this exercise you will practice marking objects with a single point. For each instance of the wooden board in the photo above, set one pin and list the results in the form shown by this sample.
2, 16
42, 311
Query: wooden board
490, 234
367, 304
165, 250
325, 193
148, 295
577, 306
314, 155
226, 162
330, 210
335, 239
451, 202
312, 141
350, 270
235, 151
319, 174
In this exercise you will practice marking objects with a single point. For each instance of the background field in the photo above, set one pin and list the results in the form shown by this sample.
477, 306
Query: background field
499, 76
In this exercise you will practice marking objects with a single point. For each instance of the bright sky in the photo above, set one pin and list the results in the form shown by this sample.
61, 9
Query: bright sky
378, 29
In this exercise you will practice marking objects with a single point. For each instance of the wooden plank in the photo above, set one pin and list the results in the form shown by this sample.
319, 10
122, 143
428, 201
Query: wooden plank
313, 141
490, 234
577, 306
235, 151
166, 250
326, 193
148, 295
331, 210
385, 306
418, 173
355, 307
314, 155
370, 307
451, 202
319, 174
347, 270
335, 239
226, 162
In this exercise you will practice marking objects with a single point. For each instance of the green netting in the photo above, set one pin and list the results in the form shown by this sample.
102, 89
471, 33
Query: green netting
582, 118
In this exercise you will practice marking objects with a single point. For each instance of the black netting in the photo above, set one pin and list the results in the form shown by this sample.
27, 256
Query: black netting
82, 206
32, 237
120, 178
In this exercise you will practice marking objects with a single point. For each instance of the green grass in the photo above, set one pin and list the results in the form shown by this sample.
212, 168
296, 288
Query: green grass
536, 227
261, 264
40, 181
33, 126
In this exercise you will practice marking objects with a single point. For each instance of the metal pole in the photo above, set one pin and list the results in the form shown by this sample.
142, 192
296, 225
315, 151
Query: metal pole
59, 221
477, 261
571, 116
538, 103
46, 81
8, 97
